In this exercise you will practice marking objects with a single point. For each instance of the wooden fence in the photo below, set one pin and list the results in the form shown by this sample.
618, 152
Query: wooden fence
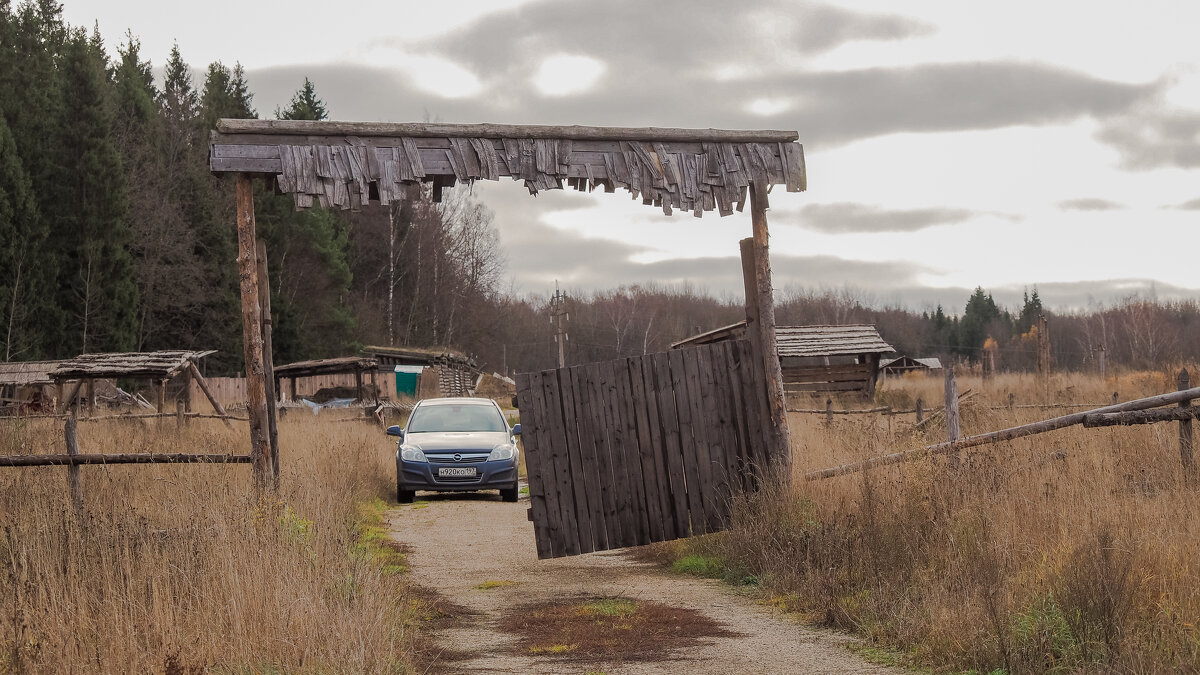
231, 391
629, 452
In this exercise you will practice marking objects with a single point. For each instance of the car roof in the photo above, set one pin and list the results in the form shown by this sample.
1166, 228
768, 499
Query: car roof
457, 400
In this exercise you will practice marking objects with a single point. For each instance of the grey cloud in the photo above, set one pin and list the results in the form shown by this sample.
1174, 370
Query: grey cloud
640, 41
848, 217
1189, 205
834, 107
1155, 138
1090, 204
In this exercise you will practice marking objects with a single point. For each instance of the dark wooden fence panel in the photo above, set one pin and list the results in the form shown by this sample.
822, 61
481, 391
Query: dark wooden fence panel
629, 452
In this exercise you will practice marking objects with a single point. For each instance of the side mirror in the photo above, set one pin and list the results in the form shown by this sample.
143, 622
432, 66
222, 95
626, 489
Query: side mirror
516, 430
395, 430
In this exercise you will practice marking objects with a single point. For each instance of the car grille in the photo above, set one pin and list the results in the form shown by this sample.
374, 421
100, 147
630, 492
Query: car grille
449, 459
458, 479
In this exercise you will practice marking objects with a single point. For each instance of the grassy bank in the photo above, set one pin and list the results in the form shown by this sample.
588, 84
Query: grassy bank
1075, 550
182, 569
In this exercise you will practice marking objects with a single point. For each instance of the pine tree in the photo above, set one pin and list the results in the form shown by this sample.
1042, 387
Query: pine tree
24, 288
89, 209
305, 105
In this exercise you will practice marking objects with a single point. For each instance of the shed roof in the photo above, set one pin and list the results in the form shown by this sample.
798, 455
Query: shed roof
418, 355
24, 373
343, 364
348, 164
805, 340
829, 340
162, 365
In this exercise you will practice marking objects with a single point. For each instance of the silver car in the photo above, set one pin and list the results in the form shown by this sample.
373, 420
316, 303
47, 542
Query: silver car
456, 445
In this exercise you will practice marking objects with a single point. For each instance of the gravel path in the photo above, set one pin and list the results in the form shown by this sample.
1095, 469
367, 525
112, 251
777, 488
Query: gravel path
458, 542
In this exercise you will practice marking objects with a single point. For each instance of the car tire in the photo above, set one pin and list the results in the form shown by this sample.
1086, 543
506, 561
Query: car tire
510, 495
405, 496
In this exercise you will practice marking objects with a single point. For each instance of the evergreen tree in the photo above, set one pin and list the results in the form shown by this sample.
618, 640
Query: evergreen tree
305, 105
980, 312
88, 209
24, 287
1031, 309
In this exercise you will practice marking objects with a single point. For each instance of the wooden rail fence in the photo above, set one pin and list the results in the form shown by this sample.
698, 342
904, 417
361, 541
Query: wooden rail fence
1138, 411
629, 452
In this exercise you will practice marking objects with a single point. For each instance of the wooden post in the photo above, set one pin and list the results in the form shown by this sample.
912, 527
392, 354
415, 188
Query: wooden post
264, 295
1043, 347
1185, 431
828, 411
953, 430
187, 390
91, 398
292, 387
873, 362
60, 396
358, 385
772, 368
1102, 361
212, 399
74, 483
179, 417
374, 388
65, 401
1116, 397
920, 409
260, 449
1012, 400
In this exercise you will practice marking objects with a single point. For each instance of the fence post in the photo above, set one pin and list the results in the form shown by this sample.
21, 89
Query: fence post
1185, 431
70, 433
1116, 398
179, 413
920, 409
953, 430
828, 411
1012, 400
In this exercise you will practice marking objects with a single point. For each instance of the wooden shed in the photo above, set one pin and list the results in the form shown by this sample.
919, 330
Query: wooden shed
352, 365
160, 368
907, 364
438, 372
26, 386
816, 359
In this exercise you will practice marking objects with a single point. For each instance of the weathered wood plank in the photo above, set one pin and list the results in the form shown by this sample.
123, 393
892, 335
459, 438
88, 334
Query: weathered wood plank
632, 446
672, 443
584, 483
688, 443
693, 395
558, 494
532, 423
658, 449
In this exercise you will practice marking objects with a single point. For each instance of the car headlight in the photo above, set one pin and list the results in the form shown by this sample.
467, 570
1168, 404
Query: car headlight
411, 454
505, 451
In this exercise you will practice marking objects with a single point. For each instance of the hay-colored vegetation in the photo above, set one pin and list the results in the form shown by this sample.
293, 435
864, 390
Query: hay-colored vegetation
1073, 550
182, 569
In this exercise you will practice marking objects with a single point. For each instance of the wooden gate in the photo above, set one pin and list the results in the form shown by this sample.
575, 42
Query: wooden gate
629, 452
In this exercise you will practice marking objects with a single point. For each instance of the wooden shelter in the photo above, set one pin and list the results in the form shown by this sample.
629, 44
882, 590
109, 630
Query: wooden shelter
816, 359
443, 372
351, 164
27, 386
159, 368
347, 364
907, 364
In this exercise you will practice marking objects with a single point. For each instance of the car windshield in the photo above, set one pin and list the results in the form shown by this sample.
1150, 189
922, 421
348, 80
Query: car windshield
453, 417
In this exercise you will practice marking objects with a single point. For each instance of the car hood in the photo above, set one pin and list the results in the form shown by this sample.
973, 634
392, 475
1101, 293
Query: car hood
452, 441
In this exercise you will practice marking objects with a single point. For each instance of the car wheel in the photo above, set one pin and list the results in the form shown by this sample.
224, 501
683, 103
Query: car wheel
510, 495
405, 496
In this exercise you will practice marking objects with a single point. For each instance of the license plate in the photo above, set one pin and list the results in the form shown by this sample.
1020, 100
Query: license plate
456, 472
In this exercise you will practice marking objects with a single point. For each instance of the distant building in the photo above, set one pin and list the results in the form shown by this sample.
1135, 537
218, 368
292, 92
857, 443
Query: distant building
906, 364
817, 359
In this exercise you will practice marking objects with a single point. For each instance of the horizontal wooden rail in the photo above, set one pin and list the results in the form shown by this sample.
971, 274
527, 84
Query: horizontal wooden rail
120, 458
839, 412
131, 416
1142, 417
1006, 434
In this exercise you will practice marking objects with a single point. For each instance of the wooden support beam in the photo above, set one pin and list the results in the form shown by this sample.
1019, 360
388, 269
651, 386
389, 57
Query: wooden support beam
91, 398
1185, 430
256, 395
212, 399
513, 131
69, 397
264, 294
782, 450
1184, 413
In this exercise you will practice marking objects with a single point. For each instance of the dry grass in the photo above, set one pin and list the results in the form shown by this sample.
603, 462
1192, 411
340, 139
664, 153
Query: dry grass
181, 569
1074, 550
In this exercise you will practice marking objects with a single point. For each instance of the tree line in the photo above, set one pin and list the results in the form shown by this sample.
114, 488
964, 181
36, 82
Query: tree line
114, 236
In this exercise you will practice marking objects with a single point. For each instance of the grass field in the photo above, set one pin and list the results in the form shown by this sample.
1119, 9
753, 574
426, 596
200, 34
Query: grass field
181, 569
1073, 550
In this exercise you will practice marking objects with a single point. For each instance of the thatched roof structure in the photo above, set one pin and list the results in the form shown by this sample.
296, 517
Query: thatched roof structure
162, 365
27, 373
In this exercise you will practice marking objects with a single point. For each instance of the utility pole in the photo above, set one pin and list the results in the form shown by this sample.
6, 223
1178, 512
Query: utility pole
558, 314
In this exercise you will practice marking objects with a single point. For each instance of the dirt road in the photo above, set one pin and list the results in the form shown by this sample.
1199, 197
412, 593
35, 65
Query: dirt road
597, 613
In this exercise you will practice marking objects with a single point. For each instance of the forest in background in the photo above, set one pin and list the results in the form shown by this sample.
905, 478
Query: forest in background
114, 236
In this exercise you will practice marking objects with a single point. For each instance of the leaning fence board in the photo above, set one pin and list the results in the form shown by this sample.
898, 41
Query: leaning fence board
639, 450
1142, 417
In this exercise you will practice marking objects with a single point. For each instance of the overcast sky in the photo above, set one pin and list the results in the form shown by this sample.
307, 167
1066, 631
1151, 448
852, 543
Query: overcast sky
949, 144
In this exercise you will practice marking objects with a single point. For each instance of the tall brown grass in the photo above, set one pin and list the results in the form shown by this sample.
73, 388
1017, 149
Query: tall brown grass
183, 569
1074, 550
